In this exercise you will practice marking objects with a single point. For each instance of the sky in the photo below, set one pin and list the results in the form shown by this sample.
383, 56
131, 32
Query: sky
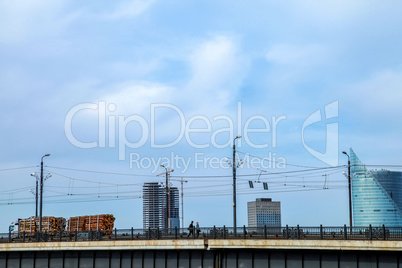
114, 89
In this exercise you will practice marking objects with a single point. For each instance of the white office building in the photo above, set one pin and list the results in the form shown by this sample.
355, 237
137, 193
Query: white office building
264, 212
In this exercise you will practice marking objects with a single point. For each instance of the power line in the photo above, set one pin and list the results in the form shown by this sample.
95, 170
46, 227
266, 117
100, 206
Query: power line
100, 172
76, 201
270, 192
17, 168
265, 159
96, 182
255, 174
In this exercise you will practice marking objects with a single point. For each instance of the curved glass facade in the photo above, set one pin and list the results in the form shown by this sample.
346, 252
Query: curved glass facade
376, 195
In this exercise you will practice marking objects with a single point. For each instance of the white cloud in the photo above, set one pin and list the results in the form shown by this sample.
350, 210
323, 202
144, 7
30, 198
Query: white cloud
217, 71
129, 9
22, 20
334, 13
298, 55
379, 95
136, 97
137, 69
25, 20
291, 65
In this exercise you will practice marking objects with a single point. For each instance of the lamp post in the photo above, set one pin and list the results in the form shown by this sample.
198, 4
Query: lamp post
167, 198
41, 193
350, 192
234, 185
36, 193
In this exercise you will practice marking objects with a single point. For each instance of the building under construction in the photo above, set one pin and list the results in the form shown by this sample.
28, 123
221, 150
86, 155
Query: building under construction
174, 217
156, 209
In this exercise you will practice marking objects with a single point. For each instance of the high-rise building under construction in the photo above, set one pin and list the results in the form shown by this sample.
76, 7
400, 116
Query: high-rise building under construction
156, 209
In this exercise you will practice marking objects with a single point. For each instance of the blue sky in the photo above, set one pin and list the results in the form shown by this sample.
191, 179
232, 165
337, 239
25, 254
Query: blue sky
177, 75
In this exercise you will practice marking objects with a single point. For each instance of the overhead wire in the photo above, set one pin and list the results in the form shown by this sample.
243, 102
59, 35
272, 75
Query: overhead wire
264, 159
100, 172
307, 172
16, 168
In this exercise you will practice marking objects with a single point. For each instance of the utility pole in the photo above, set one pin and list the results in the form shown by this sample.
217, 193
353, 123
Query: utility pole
41, 194
350, 192
36, 199
234, 186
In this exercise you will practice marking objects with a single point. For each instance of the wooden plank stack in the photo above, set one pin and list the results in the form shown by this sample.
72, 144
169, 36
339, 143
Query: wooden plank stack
101, 222
49, 224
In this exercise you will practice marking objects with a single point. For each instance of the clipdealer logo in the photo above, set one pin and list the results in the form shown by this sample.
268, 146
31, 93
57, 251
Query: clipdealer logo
330, 155
113, 129
201, 160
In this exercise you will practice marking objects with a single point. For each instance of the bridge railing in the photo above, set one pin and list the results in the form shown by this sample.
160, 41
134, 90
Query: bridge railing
215, 232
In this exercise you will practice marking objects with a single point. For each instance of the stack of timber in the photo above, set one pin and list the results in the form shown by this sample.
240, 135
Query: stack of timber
49, 224
102, 222
56, 224
30, 225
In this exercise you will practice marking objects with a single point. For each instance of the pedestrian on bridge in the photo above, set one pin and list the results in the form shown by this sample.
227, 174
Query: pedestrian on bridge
191, 229
197, 229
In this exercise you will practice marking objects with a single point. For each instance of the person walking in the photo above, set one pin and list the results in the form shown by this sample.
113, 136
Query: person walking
191, 229
198, 229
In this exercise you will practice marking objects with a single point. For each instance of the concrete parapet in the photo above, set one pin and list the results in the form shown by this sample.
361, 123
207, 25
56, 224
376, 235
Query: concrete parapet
358, 245
208, 244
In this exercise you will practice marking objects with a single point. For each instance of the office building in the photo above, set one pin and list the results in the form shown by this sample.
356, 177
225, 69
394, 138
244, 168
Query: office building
376, 195
155, 208
264, 212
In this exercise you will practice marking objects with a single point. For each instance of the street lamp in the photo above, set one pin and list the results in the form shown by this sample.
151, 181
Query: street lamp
350, 192
234, 185
41, 193
36, 193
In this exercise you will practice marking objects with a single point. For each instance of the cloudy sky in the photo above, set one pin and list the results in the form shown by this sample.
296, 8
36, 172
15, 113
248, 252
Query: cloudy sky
114, 89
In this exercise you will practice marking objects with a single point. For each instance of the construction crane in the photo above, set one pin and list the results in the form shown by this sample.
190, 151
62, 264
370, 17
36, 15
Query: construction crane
182, 200
167, 173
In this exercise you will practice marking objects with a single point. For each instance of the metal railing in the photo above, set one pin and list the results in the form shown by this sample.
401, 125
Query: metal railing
266, 232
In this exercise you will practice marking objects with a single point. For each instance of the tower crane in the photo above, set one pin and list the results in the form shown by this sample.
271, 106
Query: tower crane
182, 200
167, 173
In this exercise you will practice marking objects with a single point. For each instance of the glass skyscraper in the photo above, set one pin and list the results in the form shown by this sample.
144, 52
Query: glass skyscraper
376, 195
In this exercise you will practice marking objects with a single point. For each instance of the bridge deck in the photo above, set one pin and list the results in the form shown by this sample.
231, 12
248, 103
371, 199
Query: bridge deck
208, 244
